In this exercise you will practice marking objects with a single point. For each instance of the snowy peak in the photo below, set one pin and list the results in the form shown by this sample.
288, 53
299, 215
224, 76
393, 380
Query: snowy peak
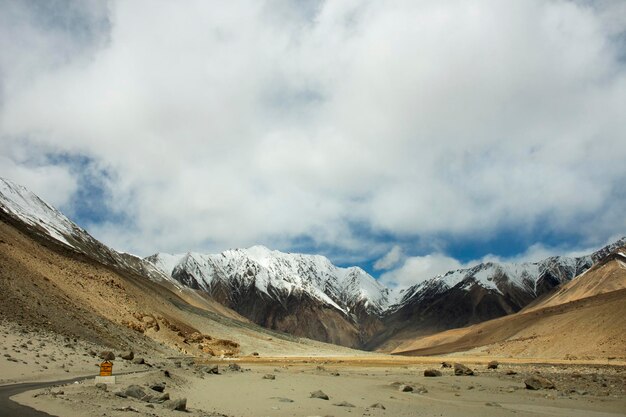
44, 220
278, 275
32, 210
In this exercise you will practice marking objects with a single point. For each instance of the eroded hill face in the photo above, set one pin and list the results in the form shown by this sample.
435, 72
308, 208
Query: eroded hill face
48, 286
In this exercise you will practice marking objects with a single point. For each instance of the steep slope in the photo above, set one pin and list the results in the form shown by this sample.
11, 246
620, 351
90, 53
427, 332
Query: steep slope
305, 295
584, 318
483, 292
48, 283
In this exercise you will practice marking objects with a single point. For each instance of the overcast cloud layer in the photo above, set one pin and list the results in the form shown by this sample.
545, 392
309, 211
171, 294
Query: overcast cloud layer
348, 126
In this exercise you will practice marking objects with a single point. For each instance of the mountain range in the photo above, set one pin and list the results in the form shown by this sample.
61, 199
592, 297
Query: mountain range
306, 295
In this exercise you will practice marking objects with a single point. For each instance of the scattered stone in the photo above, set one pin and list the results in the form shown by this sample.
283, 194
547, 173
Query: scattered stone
178, 405
127, 408
107, 355
405, 388
269, 376
234, 367
159, 387
378, 405
334, 374
319, 394
537, 382
101, 386
446, 365
460, 369
255, 353
344, 404
135, 391
432, 372
55, 393
139, 361
493, 365
283, 399
159, 398
129, 356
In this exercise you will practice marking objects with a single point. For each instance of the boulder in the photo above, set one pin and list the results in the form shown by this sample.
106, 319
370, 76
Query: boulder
493, 365
460, 369
432, 372
234, 367
135, 391
319, 394
537, 382
160, 387
107, 355
177, 405
129, 356
405, 388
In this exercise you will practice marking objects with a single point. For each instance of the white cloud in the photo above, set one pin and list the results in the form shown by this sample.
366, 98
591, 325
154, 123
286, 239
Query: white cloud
417, 269
391, 258
227, 124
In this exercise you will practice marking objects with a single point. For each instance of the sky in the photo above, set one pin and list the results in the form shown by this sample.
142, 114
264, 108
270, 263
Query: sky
409, 137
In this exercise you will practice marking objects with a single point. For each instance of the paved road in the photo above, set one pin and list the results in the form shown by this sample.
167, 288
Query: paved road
9, 408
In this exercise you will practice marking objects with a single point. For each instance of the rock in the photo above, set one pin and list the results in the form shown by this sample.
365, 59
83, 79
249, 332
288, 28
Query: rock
255, 353
178, 405
135, 391
446, 365
120, 394
319, 394
107, 355
159, 398
213, 369
511, 373
167, 374
432, 372
493, 365
378, 405
405, 388
234, 367
269, 376
460, 369
160, 387
101, 386
344, 404
283, 399
537, 382
335, 374
139, 361
421, 390
128, 355
492, 404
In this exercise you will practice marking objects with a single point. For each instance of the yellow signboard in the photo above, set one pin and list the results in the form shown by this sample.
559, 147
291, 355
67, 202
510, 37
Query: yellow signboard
106, 368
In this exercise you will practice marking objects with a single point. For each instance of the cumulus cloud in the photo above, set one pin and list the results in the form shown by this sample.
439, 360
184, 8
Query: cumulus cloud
391, 258
417, 269
230, 124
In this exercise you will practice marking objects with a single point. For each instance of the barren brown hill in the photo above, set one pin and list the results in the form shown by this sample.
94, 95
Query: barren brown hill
50, 286
585, 318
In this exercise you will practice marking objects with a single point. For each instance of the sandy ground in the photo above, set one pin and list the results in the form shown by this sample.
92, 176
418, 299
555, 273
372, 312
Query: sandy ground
246, 392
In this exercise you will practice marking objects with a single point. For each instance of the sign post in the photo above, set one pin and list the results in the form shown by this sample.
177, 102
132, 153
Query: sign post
106, 373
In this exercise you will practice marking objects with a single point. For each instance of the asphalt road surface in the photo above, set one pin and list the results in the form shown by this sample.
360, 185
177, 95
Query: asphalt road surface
9, 408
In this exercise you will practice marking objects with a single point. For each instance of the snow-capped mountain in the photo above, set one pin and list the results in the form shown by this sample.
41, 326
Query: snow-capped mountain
278, 275
18, 204
306, 295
